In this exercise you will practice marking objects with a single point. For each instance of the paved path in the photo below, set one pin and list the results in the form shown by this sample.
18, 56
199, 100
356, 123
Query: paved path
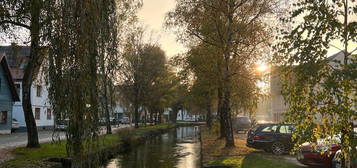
20, 138
17, 139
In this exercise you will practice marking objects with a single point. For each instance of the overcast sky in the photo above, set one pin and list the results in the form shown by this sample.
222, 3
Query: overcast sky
152, 15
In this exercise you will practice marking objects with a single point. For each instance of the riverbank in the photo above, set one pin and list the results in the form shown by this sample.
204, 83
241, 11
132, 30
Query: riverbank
214, 154
109, 145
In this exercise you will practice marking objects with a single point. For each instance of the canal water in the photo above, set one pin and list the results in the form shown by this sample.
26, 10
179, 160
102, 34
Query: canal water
179, 148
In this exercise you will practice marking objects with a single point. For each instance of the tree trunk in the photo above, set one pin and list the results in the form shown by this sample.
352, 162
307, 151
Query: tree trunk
136, 114
220, 114
173, 115
106, 103
226, 104
159, 117
145, 116
209, 116
32, 134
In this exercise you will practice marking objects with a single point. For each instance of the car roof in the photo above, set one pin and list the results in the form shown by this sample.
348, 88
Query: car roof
269, 124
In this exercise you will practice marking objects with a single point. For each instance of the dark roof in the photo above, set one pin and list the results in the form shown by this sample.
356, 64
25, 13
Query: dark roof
5, 66
17, 56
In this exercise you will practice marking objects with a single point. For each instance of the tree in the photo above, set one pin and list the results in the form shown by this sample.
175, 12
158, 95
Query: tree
77, 75
233, 27
27, 15
320, 91
142, 65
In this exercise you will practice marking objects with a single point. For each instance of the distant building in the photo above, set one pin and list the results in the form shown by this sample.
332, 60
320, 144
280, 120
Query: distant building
183, 115
18, 57
278, 104
118, 112
8, 96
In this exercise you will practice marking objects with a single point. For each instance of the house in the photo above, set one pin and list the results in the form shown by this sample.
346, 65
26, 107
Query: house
118, 112
278, 105
183, 115
18, 57
8, 96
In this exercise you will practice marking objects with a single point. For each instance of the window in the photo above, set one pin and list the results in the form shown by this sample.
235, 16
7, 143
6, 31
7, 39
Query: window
39, 91
270, 128
285, 129
37, 113
49, 114
18, 88
3, 117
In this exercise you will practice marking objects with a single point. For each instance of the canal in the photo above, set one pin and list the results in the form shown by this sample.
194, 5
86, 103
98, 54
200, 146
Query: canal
179, 148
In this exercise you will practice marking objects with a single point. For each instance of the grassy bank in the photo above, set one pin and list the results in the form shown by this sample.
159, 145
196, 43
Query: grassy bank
109, 145
214, 153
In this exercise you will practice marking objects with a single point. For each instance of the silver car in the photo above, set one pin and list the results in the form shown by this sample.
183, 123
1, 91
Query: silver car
14, 125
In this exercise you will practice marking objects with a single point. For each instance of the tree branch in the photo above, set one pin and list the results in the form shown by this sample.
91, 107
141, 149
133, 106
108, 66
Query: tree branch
15, 23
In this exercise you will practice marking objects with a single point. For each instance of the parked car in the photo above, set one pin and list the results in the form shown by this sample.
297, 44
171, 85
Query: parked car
336, 161
15, 125
61, 125
313, 157
274, 138
241, 124
124, 120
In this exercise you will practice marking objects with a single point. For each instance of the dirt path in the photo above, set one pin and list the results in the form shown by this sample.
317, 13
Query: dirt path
5, 154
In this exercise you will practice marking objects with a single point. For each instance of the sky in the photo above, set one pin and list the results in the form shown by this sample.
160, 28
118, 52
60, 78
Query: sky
152, 16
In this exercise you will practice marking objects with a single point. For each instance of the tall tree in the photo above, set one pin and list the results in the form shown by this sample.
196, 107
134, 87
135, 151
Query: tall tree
320, 91
235, 28
27, 15
142, 65
83, 35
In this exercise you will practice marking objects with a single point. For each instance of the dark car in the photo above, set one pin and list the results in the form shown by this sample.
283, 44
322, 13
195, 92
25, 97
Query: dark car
274, 138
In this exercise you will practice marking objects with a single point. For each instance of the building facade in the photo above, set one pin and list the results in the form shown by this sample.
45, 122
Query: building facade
8, 96
18, 57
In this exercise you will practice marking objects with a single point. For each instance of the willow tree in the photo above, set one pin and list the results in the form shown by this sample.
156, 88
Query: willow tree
235, 28
321, 91
113, 30
81, 33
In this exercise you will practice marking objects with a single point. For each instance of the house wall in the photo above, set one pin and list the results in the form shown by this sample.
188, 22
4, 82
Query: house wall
6, 102
41, 102
278, 106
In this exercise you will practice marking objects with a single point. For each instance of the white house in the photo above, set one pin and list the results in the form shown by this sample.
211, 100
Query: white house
118, 112
183, 115
278, 105
18, 58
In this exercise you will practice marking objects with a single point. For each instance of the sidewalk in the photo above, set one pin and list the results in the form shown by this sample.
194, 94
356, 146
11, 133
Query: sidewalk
18, 139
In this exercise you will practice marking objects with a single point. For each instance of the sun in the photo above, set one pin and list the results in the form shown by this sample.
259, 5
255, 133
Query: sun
262, 68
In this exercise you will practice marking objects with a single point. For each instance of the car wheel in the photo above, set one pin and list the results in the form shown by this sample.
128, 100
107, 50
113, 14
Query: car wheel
278, 148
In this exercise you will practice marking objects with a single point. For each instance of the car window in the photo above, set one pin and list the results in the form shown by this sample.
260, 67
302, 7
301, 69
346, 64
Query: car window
270, 128
285, 129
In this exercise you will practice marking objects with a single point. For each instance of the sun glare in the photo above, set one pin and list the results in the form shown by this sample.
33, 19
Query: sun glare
262, 68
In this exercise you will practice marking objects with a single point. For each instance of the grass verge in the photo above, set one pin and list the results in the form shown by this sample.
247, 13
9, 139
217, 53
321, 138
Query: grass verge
214, 153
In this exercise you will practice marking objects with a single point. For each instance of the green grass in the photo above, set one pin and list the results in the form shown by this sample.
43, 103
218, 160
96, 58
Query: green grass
33, 157
254, 161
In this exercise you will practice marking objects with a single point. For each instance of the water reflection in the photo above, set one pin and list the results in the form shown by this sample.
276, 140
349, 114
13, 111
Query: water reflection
179, 148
